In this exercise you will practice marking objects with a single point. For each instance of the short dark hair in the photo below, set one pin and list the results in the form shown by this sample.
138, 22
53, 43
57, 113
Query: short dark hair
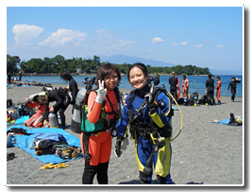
218, 77
209, 75
66, 75
140, 66
105, 70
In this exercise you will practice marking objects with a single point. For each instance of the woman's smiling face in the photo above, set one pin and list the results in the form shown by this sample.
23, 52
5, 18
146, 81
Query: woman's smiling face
111, 80
137, 78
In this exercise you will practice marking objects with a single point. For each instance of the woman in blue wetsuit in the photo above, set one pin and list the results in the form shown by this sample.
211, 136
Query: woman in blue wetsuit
149, 117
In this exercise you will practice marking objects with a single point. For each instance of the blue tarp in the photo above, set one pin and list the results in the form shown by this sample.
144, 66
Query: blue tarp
20, 120
24, 141
226, 122
175, 108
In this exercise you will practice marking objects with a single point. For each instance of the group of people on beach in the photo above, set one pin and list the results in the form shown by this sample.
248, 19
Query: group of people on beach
175, 88
147, 111
146, 114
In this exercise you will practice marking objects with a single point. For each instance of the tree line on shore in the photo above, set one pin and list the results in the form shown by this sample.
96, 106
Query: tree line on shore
59, 64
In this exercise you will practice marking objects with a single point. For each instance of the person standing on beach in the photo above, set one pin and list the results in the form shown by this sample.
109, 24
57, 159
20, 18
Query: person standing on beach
149, 119
210, 88
157, 79
104, 100
150, 79
233, 84
62, 100
218, 89
73, 88
185, 86
173, 82
177, 86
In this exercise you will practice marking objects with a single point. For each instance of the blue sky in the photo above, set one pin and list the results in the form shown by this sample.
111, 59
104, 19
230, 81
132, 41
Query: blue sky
202, 36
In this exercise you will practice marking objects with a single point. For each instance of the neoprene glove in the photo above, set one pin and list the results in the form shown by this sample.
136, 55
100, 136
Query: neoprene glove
150, 102
101, 92
118, 151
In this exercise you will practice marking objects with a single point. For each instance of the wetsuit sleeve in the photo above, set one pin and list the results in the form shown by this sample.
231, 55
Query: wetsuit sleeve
122, 124
229, 85
58, 100
161, 116
94, 108
46, 112
206, 83
73, 89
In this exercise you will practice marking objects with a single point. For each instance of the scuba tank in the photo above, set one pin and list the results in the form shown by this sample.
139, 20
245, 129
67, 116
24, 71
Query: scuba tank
195, 100
77, 112
53, 120
80, 101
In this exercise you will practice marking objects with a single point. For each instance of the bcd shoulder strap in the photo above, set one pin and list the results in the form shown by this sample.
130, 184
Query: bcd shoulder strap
157, 90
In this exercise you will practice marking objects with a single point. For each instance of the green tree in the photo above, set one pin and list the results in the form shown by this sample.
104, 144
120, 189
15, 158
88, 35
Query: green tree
12, 64
97, 61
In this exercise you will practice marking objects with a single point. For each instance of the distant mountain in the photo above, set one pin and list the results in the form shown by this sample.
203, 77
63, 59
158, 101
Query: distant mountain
226, 72
120, 59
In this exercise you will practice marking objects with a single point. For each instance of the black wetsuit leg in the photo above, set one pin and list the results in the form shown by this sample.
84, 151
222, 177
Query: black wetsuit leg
210, 95
102, 173
89, 173
174, 93
63, 108
233, 91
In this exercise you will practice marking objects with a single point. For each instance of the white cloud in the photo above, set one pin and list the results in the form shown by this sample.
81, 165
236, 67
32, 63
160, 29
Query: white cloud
101, 30
182, 43
149, 51
107, 43
220, 46
157, 40
198, 46
63, 36
25, 33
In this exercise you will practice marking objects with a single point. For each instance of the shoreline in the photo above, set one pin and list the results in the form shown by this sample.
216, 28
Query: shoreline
55, 85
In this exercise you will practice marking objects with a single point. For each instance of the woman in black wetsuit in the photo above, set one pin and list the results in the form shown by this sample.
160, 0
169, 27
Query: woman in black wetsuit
157, 79
210, 88
73, 89
233, 84
62, 100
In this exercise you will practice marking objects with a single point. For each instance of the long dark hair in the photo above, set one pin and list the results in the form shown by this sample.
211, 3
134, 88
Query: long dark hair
105, 70
140, 66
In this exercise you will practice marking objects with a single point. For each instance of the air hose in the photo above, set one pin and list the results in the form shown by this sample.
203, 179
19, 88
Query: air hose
147, 168
181, 119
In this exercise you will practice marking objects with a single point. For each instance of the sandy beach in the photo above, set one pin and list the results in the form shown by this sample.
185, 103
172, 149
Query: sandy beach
205, 153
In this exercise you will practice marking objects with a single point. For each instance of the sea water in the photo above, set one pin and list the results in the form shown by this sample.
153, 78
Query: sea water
196, 83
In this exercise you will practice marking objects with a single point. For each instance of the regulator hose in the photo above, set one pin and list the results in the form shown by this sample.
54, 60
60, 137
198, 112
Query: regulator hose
181, 119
